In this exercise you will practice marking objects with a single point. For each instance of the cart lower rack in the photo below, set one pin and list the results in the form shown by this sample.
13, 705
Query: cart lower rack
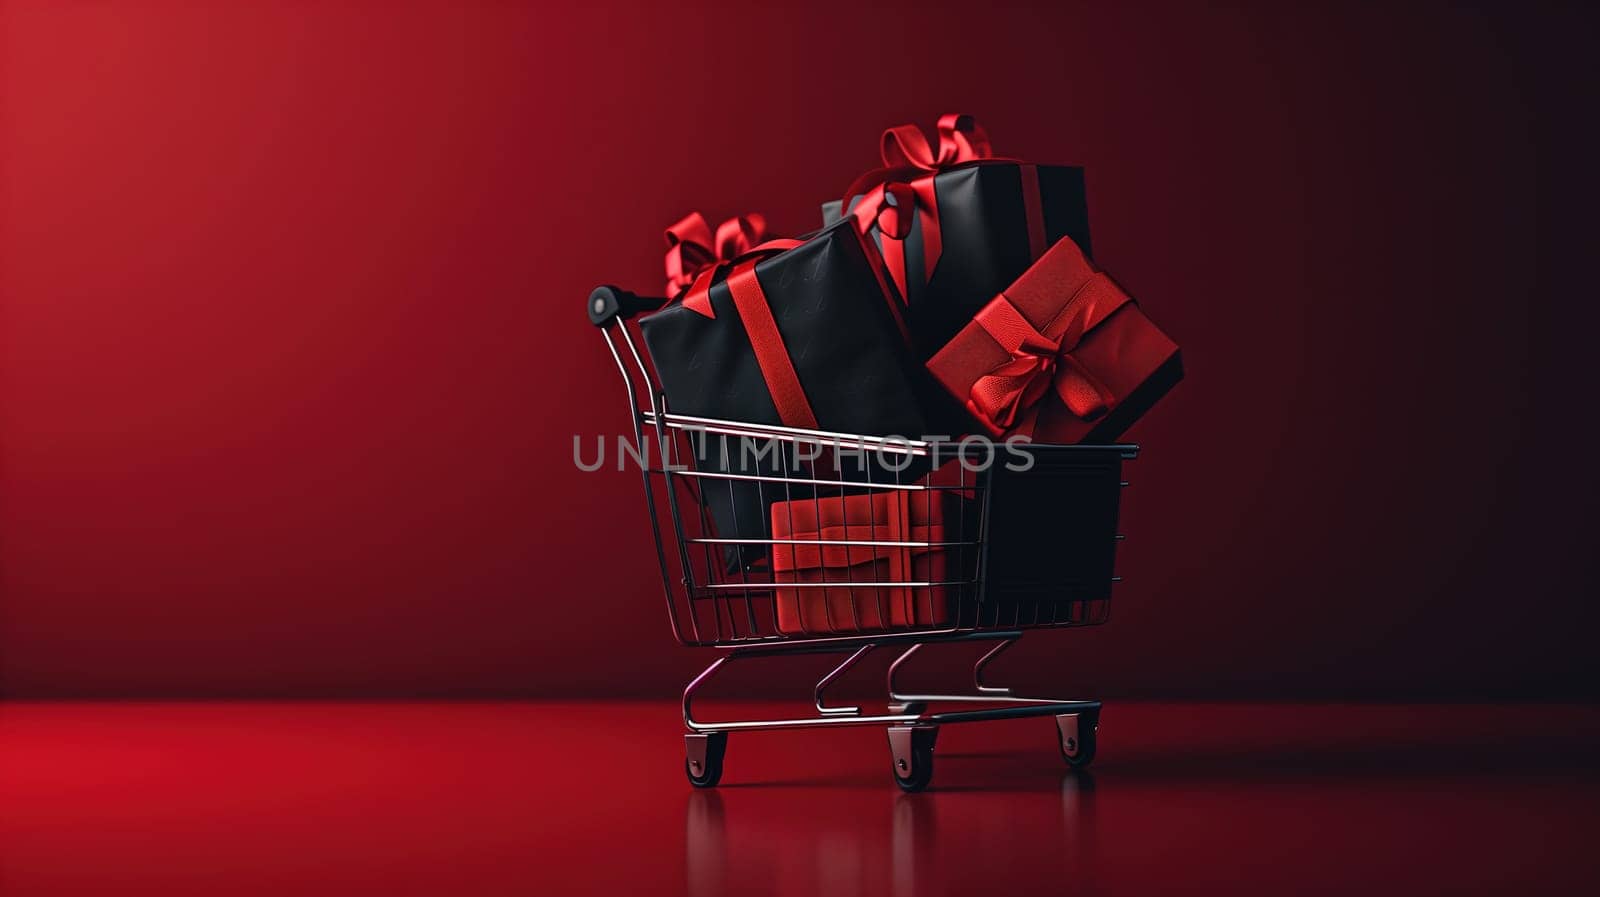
784, 541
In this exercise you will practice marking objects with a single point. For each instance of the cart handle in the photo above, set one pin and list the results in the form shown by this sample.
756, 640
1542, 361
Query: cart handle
607, 304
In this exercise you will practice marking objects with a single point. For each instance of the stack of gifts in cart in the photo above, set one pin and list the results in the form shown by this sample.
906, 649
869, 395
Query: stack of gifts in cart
951, 291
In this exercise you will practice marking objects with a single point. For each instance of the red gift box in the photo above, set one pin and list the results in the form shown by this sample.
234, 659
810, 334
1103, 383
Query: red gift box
1062, 356
886, 516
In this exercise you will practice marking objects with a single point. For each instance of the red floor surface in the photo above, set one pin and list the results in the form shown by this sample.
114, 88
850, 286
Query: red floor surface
547, 798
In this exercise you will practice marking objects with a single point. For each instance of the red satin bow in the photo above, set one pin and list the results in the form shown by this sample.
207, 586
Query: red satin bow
961, 139
691, 248
904, 186
695, 257
1007, 397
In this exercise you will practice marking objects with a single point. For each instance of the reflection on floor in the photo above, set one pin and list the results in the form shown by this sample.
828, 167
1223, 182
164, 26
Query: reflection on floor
547, 798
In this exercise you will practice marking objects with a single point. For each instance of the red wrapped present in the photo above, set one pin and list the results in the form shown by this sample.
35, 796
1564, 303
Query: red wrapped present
1062, 356
885, 516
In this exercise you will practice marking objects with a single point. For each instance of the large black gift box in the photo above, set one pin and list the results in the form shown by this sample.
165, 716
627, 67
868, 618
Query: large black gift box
957, 224
983, 225
826, 319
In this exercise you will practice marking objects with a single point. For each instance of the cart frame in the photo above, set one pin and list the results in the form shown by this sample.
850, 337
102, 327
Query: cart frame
911, 718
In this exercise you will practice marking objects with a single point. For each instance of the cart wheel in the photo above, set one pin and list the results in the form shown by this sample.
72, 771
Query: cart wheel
703, 763
1077, 731
911, 749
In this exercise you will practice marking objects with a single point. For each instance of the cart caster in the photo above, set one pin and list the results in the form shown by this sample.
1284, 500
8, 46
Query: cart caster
703, 763
1077, 731
911, 748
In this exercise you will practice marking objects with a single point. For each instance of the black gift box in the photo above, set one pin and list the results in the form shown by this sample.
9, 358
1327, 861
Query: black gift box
983, 224
840, 331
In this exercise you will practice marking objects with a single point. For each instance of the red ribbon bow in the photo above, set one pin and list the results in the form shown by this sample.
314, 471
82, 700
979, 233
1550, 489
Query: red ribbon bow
695, 257
1007, 397
961, 139
691, 248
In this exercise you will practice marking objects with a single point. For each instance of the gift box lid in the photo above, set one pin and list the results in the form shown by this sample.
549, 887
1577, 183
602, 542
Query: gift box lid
894, 516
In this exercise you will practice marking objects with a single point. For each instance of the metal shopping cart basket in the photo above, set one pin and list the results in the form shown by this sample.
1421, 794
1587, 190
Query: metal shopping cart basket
1025, 541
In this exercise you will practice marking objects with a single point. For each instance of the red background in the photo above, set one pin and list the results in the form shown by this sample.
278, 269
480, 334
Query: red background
291, 356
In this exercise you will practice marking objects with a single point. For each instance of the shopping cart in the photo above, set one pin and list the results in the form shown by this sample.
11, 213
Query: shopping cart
1030, 545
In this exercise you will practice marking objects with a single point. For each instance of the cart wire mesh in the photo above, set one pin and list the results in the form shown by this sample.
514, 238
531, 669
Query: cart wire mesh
791, 576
